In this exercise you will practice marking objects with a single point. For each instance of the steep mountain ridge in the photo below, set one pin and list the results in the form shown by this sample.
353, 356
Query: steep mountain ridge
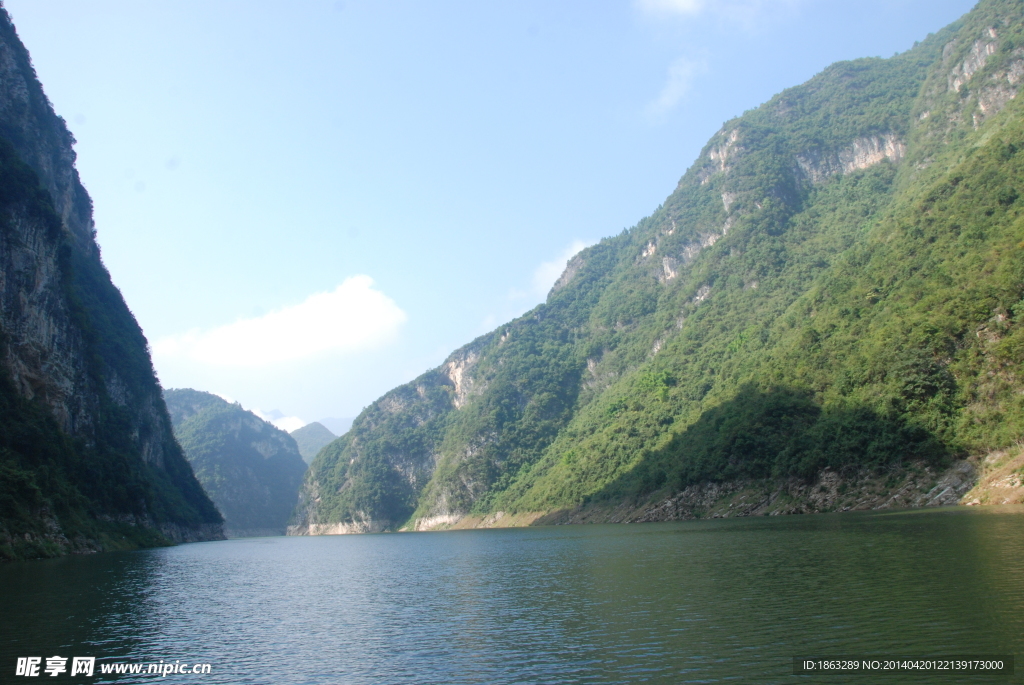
251, 469
87, 455
832, 287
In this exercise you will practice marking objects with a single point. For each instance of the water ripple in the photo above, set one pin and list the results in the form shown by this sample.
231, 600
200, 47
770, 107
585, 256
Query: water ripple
694, 602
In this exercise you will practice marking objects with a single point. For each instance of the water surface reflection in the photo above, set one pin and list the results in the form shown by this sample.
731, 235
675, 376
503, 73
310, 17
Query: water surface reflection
703, 601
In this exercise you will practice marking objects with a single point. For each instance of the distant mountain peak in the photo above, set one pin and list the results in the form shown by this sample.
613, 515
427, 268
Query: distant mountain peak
311, 438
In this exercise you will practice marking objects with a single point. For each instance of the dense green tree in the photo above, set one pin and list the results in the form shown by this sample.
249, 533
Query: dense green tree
836, 282
251, 469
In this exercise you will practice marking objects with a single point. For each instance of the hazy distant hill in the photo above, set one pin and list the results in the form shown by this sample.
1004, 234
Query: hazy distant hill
184, 403
251, 469
338, 426
833, 290
311, 438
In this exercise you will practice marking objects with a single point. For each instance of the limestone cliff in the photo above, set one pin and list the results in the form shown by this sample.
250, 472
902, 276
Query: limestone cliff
88, 457
833, 292
417, 411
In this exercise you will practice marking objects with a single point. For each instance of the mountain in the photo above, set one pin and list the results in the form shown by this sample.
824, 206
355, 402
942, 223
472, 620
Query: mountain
825, 314
338, 426
310, 438
251, 469
184, 403
87, 457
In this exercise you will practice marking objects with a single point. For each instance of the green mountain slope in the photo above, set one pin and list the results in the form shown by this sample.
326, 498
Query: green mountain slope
87, 457
834, 285
311, 438
251, 469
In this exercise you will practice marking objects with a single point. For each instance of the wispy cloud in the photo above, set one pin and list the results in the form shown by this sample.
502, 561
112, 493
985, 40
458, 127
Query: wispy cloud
353, 317
488, 323
669, 6
545, 275
746, 13
677, 83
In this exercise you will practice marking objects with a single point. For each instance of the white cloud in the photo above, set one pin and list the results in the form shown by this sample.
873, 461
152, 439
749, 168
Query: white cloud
351, 318
680, 76
290, 423
285, 423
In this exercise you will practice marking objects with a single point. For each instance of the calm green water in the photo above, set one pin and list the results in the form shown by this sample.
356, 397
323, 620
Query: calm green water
704, 601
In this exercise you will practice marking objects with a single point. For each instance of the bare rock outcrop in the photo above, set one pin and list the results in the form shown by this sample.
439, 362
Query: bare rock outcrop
817, 166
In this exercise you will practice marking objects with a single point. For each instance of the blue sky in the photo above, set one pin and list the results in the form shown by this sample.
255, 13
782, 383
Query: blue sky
308, 203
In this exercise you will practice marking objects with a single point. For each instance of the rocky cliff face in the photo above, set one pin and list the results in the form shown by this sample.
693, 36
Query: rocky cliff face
418, 412
73, 355
834, 287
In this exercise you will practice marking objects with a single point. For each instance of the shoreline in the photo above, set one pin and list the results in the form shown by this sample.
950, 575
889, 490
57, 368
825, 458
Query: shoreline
995, 478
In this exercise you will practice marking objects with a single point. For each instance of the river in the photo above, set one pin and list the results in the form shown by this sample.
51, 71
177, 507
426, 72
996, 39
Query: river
731, 600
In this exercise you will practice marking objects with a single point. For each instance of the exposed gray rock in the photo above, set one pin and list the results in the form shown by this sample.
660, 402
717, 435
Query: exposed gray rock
71, 344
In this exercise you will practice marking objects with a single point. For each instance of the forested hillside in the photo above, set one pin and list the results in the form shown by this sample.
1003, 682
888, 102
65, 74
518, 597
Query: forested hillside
834, 286
311, 438
251, 469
